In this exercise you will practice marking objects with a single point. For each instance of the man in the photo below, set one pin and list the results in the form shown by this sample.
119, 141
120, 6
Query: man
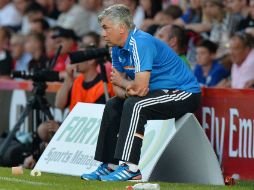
21, 58
68, 39
34, 11
208, 70
73, 16
160, 86
242, 55
176, 37
86, 87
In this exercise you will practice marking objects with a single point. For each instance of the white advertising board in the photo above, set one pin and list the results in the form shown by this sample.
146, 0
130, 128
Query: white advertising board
71, 150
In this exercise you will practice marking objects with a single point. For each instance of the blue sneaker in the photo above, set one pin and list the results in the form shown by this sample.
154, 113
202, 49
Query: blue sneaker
122, 173
102, 170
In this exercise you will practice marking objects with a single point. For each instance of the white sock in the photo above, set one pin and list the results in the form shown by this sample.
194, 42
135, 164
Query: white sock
112, 166
132, 167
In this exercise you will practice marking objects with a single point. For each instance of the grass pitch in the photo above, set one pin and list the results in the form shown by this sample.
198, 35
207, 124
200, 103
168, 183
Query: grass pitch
51, 181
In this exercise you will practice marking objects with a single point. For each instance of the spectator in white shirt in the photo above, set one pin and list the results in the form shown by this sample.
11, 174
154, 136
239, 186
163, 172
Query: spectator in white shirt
73, 16
9, 15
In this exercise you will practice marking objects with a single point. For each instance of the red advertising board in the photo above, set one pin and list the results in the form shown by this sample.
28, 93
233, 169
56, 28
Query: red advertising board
227, 116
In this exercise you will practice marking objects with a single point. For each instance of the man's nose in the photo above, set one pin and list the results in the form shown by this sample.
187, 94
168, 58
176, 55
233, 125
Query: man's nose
103, 33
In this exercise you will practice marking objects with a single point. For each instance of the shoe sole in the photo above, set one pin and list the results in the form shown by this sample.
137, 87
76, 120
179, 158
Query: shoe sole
90, 179
135, 180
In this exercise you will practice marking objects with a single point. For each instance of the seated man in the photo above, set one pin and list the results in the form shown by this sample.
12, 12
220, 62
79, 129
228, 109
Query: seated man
160, 86
208, 70
176, 37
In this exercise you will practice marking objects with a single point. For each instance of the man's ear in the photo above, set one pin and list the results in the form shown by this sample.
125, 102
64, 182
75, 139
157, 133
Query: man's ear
173, 41
213, 56
122, 28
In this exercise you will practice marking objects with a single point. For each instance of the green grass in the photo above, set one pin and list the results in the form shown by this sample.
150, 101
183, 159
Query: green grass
51, 181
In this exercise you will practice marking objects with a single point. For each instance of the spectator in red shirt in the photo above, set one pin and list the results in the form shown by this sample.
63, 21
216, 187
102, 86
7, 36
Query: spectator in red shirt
68, 40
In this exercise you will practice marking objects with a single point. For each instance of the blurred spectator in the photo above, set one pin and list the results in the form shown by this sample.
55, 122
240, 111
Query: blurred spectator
216, 14
167, 16
91, 38
34, 11
193, 14
45, 132
176, 37
73, 16
87, 87
236, 10
208, 71
35, 46
50, 7
9, 15
151, 7
93, 7
68, 40
219, 32
50, 43
5, 56
21, 5
39, 26
242, 55
247, 24
201, 25
20, 57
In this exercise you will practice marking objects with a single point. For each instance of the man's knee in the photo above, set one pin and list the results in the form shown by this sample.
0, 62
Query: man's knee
131, 102
114, 102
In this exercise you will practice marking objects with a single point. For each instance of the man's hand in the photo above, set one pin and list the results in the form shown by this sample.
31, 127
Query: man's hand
140, 86
249, 84
135, 91
117, 78
29, 162
52, 126
70, 70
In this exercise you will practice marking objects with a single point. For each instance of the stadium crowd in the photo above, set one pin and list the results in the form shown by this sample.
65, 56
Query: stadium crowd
215, 38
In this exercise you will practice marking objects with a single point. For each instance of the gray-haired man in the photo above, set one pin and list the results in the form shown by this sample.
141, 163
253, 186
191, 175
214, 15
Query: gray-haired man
150, 82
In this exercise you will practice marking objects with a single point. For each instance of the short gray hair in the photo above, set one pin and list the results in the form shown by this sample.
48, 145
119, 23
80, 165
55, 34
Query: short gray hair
118, 14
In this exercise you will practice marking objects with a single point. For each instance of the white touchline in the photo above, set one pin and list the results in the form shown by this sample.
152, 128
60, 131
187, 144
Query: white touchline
23, 181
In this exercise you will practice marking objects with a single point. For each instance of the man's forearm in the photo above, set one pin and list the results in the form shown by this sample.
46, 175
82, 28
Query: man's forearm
125, 83
62, 94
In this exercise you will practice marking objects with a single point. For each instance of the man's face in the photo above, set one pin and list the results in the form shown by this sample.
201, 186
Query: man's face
235, 6
211, 9
238, 52
204, 57
85, 66
16, 47
63, 5
252, 8
195, 4
163, 34
20, 5
66, 44
110, 32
